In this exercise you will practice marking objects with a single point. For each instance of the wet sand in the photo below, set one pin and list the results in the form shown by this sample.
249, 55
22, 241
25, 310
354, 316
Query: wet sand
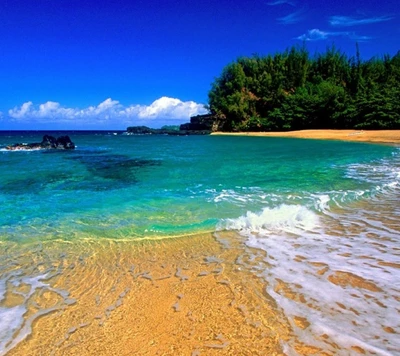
377, 136
185, 296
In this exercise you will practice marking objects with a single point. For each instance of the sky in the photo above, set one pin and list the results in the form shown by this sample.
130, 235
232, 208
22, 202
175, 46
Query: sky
102, 64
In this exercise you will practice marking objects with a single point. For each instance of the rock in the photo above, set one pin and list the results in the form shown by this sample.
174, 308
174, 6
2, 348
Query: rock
64, 142
199, 123
48, 142
207, 122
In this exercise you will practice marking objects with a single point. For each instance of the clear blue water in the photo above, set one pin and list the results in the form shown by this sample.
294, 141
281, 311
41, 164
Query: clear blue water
333, 203
140, 186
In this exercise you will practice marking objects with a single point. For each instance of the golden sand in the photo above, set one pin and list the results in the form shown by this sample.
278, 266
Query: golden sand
184, 296
377, 136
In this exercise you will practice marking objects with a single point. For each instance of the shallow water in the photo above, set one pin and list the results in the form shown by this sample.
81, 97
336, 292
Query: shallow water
325, 213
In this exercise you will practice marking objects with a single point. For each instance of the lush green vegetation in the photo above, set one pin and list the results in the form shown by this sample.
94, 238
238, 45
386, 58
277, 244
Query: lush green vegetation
293, 91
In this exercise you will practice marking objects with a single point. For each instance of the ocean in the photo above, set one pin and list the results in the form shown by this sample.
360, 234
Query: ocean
323, 214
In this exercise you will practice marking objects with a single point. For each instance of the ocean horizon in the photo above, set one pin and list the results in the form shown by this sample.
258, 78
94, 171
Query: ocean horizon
318, 221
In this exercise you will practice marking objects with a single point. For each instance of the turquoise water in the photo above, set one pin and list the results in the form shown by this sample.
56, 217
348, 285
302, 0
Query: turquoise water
141, 186
331, 203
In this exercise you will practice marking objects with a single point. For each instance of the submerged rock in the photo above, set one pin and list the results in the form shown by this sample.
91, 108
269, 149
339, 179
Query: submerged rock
48, 142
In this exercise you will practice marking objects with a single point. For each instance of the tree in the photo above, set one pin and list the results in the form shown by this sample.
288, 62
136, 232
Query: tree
290, 90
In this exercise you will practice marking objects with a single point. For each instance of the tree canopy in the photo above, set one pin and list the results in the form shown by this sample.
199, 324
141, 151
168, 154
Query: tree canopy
294, 91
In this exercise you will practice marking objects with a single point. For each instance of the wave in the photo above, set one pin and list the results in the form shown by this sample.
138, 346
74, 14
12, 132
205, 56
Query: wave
333, 275
286, 218
358, 181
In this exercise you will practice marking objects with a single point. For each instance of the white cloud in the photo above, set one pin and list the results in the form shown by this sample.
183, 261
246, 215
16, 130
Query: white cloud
318, 35
108, 113
282, 2
359, 38
314, 35
346, 21
21, 112
291, 18
170, 108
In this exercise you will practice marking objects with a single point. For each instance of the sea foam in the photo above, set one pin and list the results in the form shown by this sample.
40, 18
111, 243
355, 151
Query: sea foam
16, 320
287, 218
336, 271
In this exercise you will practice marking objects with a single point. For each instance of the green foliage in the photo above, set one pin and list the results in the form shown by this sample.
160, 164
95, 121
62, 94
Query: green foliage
170, 127
292, 91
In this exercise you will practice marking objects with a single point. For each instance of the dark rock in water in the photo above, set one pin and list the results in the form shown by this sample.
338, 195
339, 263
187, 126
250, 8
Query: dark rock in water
48, 142
64, 142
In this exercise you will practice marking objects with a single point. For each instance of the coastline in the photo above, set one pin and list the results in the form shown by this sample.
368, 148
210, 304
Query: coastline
90, 286
368, 136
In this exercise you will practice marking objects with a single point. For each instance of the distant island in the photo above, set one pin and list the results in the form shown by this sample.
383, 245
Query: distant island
198, 125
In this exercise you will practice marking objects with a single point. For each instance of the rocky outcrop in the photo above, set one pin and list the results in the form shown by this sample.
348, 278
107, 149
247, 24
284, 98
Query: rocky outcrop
199, 122
208, 122
48, 142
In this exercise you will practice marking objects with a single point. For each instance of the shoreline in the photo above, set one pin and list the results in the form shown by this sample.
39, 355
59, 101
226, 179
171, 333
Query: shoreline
93, 290
192, 295
367, 136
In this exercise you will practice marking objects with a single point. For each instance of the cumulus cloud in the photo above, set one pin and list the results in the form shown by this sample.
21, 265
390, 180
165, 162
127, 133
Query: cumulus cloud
169, 108
346, 21
314, 35
318, 35
22, 111
109, 112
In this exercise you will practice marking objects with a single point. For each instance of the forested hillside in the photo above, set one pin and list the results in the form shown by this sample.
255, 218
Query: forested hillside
293, 91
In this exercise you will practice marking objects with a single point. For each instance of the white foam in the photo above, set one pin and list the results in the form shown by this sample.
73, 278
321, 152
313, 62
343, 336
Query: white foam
241, 196
296, 239
13, 326
385, 174
288, 218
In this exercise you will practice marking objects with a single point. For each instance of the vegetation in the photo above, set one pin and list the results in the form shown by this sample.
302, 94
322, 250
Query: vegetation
170, 127
293, 91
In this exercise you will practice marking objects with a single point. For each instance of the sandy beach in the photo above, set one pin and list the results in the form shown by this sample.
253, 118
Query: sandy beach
376, 136
270, 275
184, 296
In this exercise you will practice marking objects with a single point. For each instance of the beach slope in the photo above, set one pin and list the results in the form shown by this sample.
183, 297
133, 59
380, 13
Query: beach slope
376, 136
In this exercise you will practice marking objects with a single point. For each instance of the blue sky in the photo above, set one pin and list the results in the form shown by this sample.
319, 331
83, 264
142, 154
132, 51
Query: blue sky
97, 64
